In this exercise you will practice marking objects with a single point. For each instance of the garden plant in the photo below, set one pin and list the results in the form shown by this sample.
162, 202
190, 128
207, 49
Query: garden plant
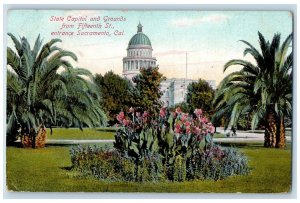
175, 146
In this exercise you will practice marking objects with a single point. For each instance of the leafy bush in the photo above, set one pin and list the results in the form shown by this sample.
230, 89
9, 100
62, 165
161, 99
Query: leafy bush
172, 134
176, 147
217, 163
109, 165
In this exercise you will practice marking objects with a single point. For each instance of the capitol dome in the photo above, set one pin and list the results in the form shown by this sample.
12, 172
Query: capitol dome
139, 54
139, 38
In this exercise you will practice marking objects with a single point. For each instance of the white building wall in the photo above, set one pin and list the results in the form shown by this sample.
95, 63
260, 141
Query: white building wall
175, 90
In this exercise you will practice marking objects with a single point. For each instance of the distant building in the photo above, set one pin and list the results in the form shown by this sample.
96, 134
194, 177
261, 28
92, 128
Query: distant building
139, 55
175, 90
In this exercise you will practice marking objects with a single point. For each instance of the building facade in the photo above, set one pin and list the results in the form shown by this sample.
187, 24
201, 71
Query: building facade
139, 55
175, 89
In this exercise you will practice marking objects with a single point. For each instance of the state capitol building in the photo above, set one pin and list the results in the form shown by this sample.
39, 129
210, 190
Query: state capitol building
139, 55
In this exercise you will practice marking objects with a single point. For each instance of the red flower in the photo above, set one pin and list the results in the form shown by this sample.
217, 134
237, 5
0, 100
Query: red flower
177, 128
162, 112
203, 120
145, 114
188, 129
211, 129
196, 130
184, 117
120, 116
178, 110
126, 122
187, 123
198, 112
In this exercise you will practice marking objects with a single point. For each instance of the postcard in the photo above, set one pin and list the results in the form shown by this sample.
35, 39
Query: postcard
160, 101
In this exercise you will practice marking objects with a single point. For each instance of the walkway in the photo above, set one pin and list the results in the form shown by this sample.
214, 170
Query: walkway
242, 136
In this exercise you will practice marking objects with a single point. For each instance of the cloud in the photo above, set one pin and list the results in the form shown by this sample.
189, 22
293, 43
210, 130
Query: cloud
187, 22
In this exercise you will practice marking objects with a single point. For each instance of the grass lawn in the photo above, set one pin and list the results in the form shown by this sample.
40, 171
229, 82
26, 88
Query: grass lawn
47, 170
76, 134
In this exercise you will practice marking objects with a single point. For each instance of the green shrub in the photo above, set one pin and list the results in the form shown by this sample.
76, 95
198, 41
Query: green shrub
110, 165
217, 163
175, 147
179, 169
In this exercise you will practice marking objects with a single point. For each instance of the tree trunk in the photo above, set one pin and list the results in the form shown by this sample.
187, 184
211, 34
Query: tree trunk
270, 128
35, 140
280, 138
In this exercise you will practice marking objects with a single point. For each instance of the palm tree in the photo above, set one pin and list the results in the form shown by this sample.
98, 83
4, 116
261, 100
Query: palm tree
263, 88
43, 88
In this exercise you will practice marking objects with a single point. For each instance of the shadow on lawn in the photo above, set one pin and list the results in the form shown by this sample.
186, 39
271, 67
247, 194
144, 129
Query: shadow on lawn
107, 130
67, 168
60, 145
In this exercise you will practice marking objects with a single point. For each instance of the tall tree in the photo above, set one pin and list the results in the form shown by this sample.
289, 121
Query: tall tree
39, 95
118, 94
147, 84
263, 88
200, 95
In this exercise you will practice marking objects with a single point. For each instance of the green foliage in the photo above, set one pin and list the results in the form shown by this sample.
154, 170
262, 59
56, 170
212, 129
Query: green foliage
134, 144
184, 106
183, 142
117, 94
147, 84
263, 88
200, 96
101, 163
217, 163
110, 165
38, 95
244, 122
179, 173
253, 88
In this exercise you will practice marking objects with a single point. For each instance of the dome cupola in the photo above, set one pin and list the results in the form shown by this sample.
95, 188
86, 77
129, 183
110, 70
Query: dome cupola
139, 54
139, 38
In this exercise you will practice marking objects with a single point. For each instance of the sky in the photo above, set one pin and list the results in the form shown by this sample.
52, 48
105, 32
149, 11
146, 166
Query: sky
210, 38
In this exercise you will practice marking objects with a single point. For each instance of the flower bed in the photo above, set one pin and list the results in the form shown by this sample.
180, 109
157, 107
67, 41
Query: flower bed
173, 146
